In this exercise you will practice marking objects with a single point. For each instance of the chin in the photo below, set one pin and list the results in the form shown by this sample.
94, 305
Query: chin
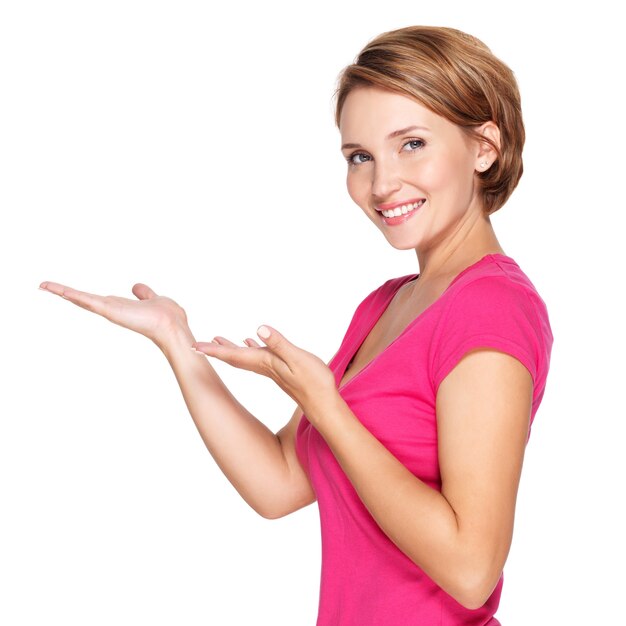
401, 245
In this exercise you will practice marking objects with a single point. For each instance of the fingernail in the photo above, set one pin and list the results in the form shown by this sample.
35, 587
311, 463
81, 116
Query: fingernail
198, 351
263, 331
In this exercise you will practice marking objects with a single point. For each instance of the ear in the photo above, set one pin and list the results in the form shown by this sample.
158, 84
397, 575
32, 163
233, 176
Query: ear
487, 154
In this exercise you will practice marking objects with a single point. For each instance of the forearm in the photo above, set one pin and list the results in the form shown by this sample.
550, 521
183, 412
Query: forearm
417, 518
248, 453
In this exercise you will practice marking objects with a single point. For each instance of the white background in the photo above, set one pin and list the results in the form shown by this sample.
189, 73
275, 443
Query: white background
193, 148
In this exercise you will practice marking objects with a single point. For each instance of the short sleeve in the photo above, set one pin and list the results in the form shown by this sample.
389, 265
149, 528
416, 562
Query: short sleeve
489, 312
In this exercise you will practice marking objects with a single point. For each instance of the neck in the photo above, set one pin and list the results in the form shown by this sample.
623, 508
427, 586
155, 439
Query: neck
474, 239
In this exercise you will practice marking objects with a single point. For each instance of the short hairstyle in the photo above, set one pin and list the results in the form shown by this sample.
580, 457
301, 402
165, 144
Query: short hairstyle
456, 76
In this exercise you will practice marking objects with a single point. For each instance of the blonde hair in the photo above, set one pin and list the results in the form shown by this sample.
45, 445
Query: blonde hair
456, 76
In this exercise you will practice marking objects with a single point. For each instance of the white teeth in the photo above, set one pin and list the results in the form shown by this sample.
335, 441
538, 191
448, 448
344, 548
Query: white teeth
402, 210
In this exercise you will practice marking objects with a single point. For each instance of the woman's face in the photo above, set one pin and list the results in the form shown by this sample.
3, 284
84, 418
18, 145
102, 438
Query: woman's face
390, 163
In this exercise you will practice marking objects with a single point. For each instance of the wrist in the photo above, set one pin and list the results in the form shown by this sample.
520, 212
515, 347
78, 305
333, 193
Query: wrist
177, 337
322, 406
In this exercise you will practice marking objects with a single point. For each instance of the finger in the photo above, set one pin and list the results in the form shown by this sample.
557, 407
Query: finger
277, 343
219, 342
197, 346
55, 288
259, 361
143, 292
89, 301
252, 343
223, 341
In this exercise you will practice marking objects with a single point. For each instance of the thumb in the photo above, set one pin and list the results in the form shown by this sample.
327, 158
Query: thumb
274, 340
143, 292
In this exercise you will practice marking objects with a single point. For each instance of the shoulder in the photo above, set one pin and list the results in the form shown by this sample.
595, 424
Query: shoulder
498, 273
494, 306
498, 292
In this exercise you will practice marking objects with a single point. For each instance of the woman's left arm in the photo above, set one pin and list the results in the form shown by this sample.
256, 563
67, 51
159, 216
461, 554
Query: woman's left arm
460, 536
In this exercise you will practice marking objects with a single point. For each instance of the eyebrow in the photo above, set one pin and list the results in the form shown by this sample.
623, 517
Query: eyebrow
395, 133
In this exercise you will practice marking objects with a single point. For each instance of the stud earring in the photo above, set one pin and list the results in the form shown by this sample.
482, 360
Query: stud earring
483, 164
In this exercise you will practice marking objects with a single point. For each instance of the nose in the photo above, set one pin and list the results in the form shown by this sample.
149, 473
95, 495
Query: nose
385, 180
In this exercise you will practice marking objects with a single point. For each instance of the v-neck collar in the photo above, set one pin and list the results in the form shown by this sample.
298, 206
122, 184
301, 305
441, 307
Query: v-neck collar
383, 307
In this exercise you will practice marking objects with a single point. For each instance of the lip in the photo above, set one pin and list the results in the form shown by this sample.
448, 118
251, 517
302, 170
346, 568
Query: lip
401, 219
393, 205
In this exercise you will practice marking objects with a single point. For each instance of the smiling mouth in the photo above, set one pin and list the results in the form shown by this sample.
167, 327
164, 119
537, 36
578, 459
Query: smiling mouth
402, 209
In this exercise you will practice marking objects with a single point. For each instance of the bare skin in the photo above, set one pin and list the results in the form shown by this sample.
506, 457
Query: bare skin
260, 464
460, 536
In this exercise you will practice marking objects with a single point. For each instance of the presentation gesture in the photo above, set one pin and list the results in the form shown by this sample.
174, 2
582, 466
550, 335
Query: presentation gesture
300, 374
150, 315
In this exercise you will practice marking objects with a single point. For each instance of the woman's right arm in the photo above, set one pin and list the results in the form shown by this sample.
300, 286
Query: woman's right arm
261, 465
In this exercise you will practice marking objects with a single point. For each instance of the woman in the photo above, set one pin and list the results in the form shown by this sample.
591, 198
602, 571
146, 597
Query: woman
412, 438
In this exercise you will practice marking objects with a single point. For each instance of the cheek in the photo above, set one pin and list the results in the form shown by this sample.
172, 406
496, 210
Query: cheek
435, 175
356, 187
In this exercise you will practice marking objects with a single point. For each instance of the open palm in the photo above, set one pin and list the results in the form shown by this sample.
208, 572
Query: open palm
151, 315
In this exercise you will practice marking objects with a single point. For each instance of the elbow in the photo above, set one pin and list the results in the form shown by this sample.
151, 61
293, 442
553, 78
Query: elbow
270, 514
265, 511
473, 591
477, 572
284, 507
472, 599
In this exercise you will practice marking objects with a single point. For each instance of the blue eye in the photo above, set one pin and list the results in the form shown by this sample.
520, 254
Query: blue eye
416, 144
356, 154
414, 141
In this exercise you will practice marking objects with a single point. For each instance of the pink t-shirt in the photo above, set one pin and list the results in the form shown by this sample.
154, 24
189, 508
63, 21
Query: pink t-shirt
366, 580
